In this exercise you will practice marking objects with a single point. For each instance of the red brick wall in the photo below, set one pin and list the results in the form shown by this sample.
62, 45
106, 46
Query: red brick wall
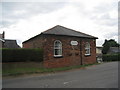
92, 57
34, 43
69, 56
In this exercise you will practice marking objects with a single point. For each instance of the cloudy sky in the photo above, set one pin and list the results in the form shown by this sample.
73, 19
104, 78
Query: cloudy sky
22, 20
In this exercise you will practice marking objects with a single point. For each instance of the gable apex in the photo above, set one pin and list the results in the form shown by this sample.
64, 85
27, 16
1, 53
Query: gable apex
61, 30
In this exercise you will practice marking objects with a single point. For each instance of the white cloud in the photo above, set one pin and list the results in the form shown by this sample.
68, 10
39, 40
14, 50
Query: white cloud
20, 12
91, 17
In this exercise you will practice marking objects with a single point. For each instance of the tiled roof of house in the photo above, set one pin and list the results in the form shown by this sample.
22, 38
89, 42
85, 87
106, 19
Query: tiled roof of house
7, 43
11, 44
114, 50
60, 30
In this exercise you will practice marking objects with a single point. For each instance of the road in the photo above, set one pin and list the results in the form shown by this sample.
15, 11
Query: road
104, 75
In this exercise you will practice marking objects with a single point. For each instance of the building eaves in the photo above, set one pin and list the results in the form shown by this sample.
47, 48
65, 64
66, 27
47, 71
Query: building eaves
63, 31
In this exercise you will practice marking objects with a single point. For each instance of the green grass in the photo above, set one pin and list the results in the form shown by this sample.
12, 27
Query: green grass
17, 70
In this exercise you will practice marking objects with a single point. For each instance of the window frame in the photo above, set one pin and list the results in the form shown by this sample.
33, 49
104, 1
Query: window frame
59, 48
87, 47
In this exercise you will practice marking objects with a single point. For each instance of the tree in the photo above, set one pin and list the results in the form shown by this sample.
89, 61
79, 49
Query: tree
105, 49
109, 43
113, 43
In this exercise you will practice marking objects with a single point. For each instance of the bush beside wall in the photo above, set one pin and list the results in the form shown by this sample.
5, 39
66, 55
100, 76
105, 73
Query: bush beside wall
111, 57
22, 55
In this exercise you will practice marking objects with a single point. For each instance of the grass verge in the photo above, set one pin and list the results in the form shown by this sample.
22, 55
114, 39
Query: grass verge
33, 70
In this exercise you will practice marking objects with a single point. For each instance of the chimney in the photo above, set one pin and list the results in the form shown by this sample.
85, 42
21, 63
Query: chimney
3, 35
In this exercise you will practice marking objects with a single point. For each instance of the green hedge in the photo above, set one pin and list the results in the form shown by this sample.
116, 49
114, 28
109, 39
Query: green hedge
22, 55
111, 57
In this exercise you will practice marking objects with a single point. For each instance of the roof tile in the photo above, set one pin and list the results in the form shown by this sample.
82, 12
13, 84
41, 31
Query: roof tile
60, 30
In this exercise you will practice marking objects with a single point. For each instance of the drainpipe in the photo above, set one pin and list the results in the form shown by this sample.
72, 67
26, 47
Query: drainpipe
81, 52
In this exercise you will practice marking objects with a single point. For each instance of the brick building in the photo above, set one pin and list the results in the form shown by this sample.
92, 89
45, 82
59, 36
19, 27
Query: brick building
64, 47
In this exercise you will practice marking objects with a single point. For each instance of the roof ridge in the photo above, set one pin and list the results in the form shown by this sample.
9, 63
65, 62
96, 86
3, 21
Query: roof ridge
50, 28
74, 30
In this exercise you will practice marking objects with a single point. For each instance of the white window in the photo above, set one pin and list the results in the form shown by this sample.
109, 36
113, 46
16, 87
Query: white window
87, 49
57, 48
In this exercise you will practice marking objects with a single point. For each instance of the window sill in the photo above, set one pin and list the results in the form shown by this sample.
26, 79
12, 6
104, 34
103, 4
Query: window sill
87, 55
58, 56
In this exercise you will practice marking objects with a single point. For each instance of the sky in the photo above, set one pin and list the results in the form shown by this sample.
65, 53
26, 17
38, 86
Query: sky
23, 19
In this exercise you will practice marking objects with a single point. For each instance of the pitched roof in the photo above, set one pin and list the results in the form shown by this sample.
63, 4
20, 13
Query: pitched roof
11, 44
114, 50
60, 30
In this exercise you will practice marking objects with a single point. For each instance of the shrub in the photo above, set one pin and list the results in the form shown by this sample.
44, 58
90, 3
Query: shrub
111, 57
22, 55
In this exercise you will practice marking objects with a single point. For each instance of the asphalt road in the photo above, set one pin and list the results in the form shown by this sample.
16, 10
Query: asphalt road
98, 76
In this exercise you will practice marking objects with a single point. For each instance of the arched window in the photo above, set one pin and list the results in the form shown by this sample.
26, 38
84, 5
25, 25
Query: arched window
87, 49
57, 48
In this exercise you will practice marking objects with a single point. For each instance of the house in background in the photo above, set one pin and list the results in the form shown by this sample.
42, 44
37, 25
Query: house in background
64, 47
99, 53
113, 50
7, 43
1, 39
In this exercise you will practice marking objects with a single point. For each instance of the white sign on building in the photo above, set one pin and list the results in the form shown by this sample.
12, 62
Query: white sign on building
74, 43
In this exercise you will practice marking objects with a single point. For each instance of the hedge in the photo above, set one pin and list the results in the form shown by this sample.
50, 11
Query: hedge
22, 55
111, 57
